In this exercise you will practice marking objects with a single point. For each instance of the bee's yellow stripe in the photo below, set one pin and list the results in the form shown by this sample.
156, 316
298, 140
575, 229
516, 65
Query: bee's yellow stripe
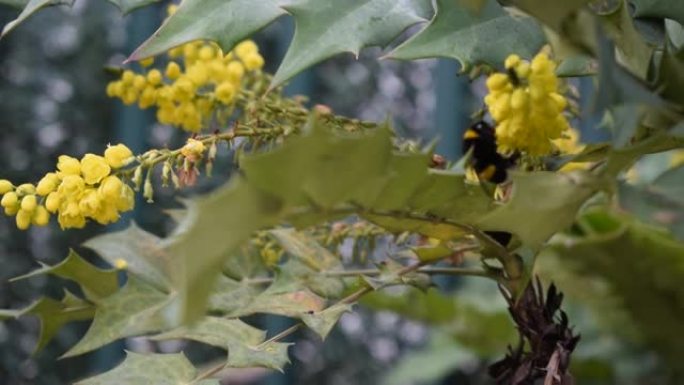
487, 173
471, 134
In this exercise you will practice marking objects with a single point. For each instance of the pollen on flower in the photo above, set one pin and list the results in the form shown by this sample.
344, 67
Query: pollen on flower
198, 85
193, 149
78, 191
120, 264
526, 106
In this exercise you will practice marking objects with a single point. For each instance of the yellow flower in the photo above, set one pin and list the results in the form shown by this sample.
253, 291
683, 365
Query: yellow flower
139, 82
173, 70
24, 219
71, 218
527, 107
253, 61
184, 88
94, 168
198, 73
47, 184
193, 149
120, 264
106, 214
10, 199
41, 217
127, 77
5, 186
110, 188
52, 202
29, 203
130, 96
147, 62
26, 188
68, 165
225, 92
245, 49
147, 97
90, 202
206, 53
72, 185
234, 71
118, 155
126, 200
190, 52
154, 77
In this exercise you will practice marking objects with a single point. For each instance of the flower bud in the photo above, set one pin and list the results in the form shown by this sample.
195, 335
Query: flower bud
53, 201
10, 199
5, 186
94, 168
47, 184
110, 188
148, 190
69, 165
41, 217
118, 156
29, 203
193, 150
137, 178
26, 189
23, 219
166, 173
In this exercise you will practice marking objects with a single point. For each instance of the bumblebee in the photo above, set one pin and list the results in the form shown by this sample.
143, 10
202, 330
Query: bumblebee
480, 140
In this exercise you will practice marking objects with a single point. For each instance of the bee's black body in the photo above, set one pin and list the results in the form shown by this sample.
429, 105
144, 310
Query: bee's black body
487, 163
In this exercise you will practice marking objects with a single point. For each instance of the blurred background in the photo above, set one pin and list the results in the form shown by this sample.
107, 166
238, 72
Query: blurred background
52, 102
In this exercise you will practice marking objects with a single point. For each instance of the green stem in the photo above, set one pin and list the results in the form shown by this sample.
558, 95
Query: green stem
281, 335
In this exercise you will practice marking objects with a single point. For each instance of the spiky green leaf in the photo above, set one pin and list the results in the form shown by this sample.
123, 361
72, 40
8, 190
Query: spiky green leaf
553, 14
96, 283
217, 331
542, 204
139, 249
223, 21
472, 38
135, 309
323, 173
271, 355
146, 369
642, 265
55, 314
326, 28
217, 225
32, 6
306, 249
322, 322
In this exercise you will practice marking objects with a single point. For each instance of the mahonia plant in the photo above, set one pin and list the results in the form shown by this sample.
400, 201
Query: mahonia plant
76, 191
199, 86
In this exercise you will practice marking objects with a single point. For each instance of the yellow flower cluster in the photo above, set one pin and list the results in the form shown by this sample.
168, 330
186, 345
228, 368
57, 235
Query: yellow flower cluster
78, 190
198, 80
526, 105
